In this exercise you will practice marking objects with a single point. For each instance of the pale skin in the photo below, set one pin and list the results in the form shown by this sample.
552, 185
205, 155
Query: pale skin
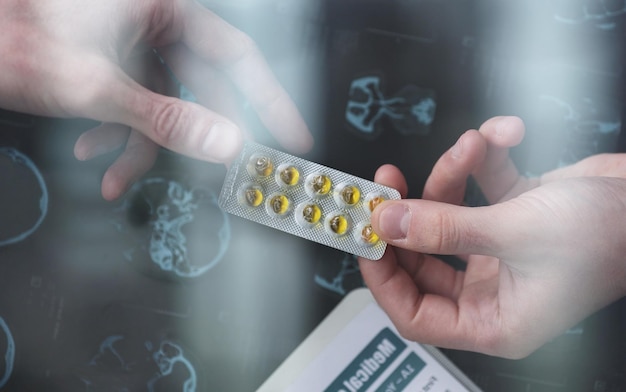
98, 60
546, 253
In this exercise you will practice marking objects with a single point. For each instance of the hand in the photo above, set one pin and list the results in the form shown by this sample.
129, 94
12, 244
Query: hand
547, 253
98, 60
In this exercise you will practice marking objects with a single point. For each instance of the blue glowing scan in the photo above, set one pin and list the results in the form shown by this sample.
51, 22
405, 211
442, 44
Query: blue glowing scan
604, 15
167, 357
9, 354
180, 229
151, 368
410, 111
21, 172
343, 280
587, 122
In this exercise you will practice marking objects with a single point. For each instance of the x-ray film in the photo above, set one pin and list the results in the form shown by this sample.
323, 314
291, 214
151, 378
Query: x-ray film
306, 199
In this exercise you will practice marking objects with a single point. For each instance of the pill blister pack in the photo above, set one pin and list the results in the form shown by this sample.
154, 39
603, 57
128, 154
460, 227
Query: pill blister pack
306, 199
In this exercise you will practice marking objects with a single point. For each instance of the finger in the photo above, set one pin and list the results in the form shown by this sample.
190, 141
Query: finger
503, 131
391, 176
498, 175
431, 227
183, 127
427, 318
138, 157
217, 42
100, 140
210, 87
392, 286
480, 269
447, 181
431, 274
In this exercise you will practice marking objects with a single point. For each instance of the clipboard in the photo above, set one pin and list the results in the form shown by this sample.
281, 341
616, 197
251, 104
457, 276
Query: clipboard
356, 348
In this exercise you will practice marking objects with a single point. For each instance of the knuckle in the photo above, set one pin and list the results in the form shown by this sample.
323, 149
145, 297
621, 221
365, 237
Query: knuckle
447, 235
170, 121
164, 18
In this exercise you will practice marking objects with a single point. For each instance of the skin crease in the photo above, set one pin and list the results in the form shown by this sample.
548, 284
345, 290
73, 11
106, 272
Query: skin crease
102, 60
546, 253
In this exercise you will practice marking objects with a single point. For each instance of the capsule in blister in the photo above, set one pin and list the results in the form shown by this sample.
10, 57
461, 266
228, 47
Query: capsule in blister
251, 195
318, 184
337, 223
287, 175
372, 200
364, 234
278, 205
260, 165
308, 214
347, 195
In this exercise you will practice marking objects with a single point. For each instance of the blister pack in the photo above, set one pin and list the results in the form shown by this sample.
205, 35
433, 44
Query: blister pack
306, 199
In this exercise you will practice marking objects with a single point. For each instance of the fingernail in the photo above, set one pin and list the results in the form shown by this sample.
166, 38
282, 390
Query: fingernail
222, 143
457, 149
394, 222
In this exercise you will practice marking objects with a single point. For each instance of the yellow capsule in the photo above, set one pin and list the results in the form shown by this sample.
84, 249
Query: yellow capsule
263, 166
374, 202
321, 184
253, 196
338, 224
289, 175
368, 235
350, 195
308, 215
279, 204
311, 213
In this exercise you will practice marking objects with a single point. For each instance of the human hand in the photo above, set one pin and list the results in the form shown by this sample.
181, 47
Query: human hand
96, 59
547, 253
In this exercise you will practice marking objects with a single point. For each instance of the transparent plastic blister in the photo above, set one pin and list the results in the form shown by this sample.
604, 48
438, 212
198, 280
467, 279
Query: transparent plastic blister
305, 199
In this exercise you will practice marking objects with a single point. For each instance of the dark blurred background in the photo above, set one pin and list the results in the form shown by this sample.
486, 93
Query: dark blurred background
161, 289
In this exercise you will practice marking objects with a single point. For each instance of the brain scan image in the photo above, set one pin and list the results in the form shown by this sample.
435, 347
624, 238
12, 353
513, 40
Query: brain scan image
126, 364
588, 122
24, 202
339, 278
410, 111
172, 228
7, 346
605, 15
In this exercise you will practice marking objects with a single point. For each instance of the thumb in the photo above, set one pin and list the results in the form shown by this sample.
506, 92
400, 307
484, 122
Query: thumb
432, 227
